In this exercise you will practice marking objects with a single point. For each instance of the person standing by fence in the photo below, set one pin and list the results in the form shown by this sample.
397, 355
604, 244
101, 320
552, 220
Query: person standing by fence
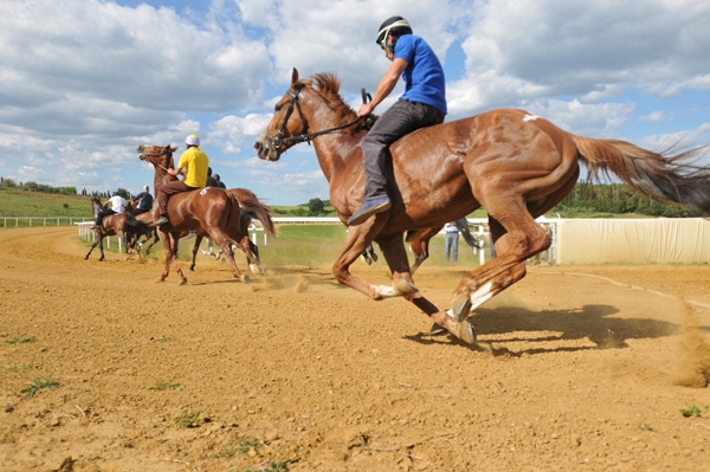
451, 241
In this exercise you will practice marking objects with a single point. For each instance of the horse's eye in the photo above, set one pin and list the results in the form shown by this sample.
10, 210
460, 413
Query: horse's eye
277, 107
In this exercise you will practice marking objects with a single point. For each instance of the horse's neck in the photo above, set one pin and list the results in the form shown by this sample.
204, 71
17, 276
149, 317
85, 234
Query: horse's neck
162, 177
332, 150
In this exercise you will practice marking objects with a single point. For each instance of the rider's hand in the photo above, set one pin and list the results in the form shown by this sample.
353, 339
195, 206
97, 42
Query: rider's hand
365, 109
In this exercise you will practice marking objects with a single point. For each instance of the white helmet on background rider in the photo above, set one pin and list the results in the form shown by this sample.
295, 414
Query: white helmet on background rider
192, 140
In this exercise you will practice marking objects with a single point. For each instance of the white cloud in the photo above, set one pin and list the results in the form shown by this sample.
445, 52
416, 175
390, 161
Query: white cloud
84, 82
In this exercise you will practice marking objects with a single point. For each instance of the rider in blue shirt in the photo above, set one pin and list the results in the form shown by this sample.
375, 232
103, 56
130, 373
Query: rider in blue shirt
422, 104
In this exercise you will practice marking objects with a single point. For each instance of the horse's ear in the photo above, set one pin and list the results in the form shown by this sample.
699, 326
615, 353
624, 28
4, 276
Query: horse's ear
294, 76
173, 148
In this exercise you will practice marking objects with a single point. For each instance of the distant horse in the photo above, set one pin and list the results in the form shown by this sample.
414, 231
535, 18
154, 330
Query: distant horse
514, 164
251, 208
211, 211
123, 225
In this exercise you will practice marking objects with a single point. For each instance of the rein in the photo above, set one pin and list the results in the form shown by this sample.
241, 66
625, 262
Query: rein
279, 140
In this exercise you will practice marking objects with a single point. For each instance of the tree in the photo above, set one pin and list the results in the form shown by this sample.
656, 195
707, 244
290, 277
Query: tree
316, 206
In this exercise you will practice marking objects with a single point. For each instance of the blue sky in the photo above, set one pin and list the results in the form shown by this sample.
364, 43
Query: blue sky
84, 82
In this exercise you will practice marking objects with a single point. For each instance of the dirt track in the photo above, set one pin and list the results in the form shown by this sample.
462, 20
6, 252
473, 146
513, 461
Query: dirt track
590, 369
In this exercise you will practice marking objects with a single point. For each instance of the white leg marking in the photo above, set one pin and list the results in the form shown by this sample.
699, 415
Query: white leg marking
482, 295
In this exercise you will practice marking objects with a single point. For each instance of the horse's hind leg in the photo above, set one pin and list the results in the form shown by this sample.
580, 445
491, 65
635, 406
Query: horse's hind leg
252, 258
225, 242
195, 248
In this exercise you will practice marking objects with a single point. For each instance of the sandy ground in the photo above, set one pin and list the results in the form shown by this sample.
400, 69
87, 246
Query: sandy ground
590, 369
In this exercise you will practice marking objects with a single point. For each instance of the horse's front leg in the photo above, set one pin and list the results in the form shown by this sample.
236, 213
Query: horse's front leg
170, 251
101, 248
356, 242
91, 249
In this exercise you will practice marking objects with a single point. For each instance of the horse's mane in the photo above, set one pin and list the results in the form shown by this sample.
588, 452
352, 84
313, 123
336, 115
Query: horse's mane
329, 86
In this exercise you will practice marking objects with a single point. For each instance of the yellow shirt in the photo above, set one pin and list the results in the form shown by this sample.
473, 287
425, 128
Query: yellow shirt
195, 162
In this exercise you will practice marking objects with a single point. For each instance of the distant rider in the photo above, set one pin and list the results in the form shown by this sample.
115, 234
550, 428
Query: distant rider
145, 201
193, 165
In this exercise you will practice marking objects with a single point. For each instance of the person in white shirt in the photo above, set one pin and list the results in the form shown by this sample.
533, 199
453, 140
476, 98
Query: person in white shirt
118, 205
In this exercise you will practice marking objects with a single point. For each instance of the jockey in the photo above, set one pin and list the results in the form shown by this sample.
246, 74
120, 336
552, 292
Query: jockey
118, 205
423, 103
145, 201
193, 165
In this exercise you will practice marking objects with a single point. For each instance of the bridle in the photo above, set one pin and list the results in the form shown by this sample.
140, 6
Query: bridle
279, 140
166, 151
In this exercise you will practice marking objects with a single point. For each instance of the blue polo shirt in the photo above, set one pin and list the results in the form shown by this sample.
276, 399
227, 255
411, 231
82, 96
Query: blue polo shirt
424, 76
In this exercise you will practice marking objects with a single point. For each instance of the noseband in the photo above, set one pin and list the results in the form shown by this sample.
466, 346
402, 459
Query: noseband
279, 140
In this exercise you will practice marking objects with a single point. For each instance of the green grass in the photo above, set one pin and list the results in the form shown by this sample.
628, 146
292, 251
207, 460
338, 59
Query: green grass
39, 384
690, 411
189, 420
22, 203
171, 384
22, 340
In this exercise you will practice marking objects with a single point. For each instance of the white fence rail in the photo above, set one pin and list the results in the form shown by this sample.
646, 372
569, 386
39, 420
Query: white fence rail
32, 221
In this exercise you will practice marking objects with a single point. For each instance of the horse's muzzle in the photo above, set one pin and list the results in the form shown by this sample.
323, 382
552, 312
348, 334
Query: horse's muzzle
265, 150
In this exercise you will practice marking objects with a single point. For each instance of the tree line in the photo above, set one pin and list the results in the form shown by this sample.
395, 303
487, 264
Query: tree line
586, 198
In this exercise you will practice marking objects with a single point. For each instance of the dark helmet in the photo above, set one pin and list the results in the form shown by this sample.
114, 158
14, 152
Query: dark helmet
395, 25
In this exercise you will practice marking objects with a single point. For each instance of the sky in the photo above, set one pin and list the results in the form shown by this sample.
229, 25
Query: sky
83, 83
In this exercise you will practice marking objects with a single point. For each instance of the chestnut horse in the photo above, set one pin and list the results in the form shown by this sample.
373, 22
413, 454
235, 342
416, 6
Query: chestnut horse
513, 163
251, 208
123, 225
209, 210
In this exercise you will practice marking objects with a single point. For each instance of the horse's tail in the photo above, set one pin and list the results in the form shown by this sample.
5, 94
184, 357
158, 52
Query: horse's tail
462, 225
249, 203
664, 177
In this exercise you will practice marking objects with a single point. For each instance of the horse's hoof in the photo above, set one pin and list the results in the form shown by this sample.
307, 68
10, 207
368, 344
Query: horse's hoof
467, 333
437, 330
404, 287
255, 269
183, 281
461, 308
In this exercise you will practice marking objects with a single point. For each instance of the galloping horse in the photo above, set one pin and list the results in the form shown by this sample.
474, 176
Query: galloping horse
123, 225
513, 163
251, 208
210, 210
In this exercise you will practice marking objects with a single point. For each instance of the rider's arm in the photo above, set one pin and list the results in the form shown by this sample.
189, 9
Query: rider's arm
386, 85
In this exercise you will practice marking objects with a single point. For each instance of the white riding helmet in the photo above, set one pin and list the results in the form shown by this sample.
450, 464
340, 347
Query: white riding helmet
192, 140
395, 25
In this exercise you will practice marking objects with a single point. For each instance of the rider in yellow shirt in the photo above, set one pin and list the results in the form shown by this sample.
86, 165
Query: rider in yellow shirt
193, 166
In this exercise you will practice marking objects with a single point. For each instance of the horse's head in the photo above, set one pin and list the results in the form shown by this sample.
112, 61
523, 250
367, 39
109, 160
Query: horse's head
159, 156
288, 125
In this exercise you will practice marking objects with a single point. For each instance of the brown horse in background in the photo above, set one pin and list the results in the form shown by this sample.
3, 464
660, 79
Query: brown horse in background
251, 208
123, 225
211, 211
514, 164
